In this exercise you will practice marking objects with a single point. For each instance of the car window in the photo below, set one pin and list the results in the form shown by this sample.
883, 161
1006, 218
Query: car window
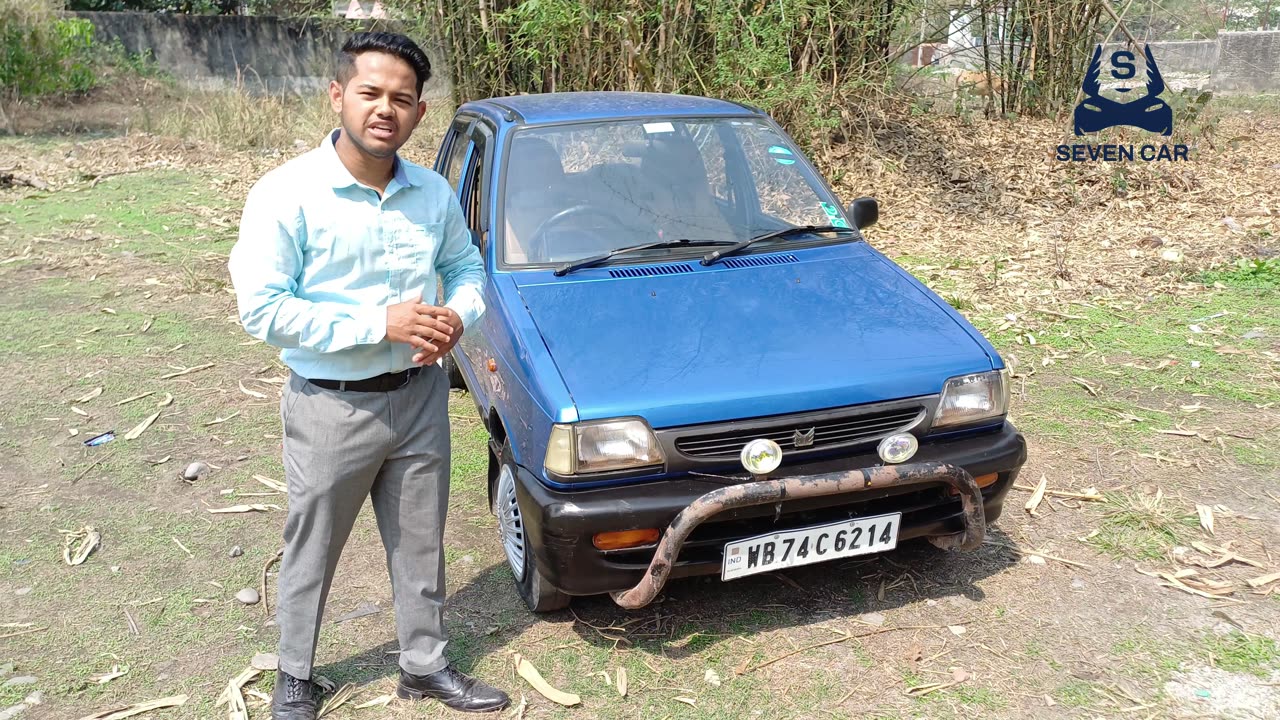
570, 191
779, 177
471, 199
713, 158
452, 169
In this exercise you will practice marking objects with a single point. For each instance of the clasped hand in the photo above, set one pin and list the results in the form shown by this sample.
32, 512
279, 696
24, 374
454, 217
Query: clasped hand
433, 330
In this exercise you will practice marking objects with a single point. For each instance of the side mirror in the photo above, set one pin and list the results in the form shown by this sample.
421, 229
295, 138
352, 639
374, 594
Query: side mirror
865, 211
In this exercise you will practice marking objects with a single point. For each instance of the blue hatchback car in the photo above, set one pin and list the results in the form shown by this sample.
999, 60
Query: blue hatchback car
692, 362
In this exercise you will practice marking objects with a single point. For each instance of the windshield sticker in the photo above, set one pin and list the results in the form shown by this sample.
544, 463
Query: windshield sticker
781, 155
833, 213
658, 127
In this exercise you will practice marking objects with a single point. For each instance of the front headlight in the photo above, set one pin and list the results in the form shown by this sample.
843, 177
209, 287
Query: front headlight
973, 398
602, 445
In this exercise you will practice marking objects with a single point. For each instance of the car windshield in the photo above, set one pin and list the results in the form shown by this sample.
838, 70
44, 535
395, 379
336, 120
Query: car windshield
574, 191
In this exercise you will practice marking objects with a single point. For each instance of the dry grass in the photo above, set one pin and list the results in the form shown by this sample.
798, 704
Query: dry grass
246, 118
1141, 526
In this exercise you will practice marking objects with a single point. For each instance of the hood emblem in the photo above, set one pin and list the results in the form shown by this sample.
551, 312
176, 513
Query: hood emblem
803, 438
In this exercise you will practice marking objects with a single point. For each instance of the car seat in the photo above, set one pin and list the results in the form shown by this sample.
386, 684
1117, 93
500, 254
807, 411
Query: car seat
683, 204
534, 189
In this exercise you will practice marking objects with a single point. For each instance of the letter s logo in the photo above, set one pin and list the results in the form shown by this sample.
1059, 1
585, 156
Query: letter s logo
1122, 65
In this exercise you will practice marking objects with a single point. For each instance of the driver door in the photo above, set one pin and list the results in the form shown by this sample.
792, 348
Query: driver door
477, 343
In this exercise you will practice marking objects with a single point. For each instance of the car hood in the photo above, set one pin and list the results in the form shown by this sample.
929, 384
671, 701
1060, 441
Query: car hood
721, 343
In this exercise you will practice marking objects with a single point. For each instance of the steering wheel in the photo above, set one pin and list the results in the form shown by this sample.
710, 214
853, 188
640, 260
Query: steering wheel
538, 239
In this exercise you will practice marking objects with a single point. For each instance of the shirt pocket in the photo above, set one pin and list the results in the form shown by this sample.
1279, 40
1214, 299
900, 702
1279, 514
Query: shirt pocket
412, 249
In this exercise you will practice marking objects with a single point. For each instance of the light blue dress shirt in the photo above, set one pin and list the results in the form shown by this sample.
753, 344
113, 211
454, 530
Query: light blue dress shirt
321, 256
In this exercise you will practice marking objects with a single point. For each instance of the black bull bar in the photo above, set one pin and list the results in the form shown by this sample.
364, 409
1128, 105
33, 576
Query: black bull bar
762, 492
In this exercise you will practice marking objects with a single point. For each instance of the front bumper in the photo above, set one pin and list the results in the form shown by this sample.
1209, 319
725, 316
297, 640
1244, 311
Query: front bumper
559, 525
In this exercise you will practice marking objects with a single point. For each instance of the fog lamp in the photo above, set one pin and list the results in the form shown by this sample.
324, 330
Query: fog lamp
761, 456
898, 448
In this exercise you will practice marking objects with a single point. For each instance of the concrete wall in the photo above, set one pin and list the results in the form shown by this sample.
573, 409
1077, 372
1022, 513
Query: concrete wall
1233, 62
273, 55
1190, 56
1249, 62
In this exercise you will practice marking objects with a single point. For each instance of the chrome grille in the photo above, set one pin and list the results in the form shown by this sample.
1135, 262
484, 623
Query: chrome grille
800, 434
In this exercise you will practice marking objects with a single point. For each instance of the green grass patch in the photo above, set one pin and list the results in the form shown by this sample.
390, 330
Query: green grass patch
1075, 694
1143, 655
967, 695
1140, 528
1155, 347
1252, 654
1117, 376
1255, 274
979, 697
165, 213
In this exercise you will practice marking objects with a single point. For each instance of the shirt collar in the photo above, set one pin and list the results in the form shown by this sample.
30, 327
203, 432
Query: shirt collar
341, 177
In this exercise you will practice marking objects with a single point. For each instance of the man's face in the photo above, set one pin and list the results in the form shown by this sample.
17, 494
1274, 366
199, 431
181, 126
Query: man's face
379, 105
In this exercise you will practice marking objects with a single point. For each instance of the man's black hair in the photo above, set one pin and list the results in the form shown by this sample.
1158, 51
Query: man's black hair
389, 43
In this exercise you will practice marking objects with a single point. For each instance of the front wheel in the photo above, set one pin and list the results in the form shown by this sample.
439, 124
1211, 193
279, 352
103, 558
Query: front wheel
537, 593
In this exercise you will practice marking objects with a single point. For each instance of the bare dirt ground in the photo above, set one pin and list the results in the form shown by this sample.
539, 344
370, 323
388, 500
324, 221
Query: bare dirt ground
1146, 379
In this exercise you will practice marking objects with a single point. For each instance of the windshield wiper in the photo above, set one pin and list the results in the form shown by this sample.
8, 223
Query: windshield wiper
594, 260
739, 247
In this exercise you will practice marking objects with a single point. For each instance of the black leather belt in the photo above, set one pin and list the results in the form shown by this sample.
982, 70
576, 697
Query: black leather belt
381, 383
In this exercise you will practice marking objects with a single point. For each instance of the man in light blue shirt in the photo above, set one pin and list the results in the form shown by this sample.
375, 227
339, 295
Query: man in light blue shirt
337, 249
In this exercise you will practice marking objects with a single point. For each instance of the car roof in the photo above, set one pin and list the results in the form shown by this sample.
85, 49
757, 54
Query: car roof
550, 108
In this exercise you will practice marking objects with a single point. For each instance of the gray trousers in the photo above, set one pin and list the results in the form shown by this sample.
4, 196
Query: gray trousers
340, 448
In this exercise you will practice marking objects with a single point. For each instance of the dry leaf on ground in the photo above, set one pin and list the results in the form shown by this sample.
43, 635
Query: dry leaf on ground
526, 670
138, 709
234, 685
922, 690
89, 395
339, 698
1038, 495
105, 678
186, 371
142, 426
1206, 517
78, 544
1263, 580
380, 701
130, 399
273, 484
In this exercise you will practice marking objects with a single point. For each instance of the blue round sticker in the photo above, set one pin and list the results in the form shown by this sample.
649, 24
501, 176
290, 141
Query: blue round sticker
781, 155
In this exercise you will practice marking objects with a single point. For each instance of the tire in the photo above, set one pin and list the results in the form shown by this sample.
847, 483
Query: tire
456, 381
531, 584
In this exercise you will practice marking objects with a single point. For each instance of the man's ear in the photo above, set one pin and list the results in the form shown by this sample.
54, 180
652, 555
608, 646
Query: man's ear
335, 96
422, 110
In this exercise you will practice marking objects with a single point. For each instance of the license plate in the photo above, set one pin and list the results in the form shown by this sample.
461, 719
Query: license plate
775, 551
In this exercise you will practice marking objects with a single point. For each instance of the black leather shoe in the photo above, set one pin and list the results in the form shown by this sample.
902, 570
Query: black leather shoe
454, 689
292, 698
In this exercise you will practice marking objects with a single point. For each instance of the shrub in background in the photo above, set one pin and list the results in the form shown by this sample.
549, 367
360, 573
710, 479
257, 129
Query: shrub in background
41, 54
